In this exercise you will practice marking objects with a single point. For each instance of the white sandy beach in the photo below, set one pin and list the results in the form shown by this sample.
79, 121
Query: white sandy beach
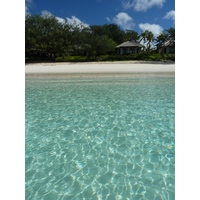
119, 67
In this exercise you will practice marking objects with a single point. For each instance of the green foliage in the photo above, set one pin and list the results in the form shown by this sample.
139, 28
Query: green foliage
141, 56
111, 30
148, 38
45, 36
167, 35
100, 45
162, 37
171, 33
130, 35
46, 39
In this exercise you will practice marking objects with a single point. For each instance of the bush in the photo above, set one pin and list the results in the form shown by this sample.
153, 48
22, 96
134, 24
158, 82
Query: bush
141, 56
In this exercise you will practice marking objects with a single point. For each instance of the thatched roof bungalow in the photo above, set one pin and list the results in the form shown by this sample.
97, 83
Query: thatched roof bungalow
129, 47
166, 47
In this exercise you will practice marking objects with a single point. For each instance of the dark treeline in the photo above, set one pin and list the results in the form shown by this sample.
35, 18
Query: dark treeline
46, 36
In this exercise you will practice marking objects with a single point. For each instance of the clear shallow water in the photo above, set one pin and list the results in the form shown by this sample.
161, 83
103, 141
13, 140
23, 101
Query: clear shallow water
100, 138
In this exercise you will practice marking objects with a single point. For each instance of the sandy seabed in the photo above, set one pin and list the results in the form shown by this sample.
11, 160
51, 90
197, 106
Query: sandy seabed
101, 68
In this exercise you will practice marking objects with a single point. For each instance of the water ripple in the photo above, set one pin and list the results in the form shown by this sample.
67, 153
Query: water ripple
101, 138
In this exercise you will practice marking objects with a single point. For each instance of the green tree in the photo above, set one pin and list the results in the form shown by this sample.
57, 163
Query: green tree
130, 35
171, 33
148, 38
101, 45
32, 33
98, 30
45, 35
79, 37
162, 37
143, 38
111, 30
114, 32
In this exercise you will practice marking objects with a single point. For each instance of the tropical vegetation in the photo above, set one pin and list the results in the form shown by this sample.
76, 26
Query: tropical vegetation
48, 39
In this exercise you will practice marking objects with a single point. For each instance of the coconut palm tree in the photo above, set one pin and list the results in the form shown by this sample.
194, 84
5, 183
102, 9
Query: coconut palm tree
143, 38
171, 32
162, 37
150, 39
147, 37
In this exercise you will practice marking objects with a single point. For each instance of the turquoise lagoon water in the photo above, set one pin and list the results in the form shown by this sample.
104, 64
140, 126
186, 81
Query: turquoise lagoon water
100, 138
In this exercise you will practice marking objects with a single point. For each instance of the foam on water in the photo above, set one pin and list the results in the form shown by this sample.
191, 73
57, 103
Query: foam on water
100, 138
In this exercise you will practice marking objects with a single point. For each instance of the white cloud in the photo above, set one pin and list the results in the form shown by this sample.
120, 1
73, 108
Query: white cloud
77, 22
127, 4
142, 5
73, 21
124, 20
170, 15
46, 13
154, 28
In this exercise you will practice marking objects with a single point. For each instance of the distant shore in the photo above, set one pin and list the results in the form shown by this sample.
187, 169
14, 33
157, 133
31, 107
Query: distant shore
101, 68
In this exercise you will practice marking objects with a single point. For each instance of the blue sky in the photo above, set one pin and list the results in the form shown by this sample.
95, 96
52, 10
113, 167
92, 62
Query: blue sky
138, 15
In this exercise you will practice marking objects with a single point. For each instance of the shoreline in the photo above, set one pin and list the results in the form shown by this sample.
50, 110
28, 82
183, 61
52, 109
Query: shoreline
117, 68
